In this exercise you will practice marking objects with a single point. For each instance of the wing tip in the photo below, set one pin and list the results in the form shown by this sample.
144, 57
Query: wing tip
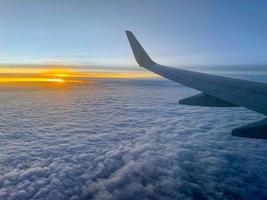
141, 56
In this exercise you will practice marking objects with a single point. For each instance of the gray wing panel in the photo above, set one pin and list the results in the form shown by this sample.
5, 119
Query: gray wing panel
206, 100
249, 94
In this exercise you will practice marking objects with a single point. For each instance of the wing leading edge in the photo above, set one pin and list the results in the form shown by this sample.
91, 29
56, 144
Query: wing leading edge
217, 90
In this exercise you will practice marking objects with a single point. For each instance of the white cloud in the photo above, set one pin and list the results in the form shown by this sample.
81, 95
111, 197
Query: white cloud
125, 141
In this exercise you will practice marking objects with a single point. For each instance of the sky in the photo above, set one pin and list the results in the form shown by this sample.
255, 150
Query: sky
91, 33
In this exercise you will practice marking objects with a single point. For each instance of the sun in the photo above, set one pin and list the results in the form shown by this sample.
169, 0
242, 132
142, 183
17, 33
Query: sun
57, 80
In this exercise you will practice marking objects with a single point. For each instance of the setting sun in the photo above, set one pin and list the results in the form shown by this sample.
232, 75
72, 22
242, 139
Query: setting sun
55, 80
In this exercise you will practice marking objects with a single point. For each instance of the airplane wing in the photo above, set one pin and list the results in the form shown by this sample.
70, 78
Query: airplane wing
217, 91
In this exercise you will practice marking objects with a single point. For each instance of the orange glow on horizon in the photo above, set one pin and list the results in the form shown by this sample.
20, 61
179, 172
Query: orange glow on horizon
8, 80
62, 75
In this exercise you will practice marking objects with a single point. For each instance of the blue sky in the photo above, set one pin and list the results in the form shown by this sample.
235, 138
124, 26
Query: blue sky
178, 32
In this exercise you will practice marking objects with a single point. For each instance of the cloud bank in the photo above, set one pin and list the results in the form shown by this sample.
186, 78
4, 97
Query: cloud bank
125, 141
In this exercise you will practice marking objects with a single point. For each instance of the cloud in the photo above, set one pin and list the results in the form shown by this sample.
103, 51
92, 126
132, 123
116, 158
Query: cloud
126, 141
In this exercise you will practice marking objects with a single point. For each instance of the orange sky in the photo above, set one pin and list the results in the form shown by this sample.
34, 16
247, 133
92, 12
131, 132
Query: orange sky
61, 74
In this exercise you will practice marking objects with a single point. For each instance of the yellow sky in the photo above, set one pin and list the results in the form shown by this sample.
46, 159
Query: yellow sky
61, 74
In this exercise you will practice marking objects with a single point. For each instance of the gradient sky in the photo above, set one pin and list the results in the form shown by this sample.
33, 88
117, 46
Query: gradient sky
175, 32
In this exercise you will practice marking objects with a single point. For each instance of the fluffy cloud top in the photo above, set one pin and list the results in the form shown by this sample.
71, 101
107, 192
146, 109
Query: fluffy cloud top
125, 140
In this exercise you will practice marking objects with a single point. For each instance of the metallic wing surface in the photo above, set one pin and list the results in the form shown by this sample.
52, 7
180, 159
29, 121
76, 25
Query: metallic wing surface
217, 91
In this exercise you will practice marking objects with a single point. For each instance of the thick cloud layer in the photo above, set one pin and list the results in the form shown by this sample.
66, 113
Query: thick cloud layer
125, 140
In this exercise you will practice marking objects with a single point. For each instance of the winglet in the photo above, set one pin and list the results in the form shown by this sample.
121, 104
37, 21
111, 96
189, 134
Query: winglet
140, 54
